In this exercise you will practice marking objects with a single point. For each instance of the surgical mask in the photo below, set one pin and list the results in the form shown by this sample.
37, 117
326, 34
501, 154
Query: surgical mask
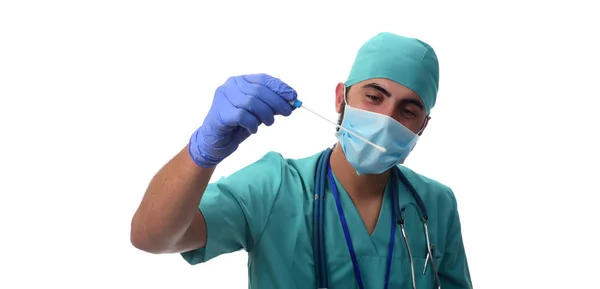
380, 129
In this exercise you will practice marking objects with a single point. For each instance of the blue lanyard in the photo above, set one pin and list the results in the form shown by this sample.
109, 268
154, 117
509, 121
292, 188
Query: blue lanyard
349, 239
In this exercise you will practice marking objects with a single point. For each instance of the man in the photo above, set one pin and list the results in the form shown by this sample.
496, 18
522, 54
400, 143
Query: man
370, 202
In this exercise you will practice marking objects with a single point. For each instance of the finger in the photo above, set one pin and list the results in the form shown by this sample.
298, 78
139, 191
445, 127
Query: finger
240, 134
249, 100
247, 121
274, 84
240, 117
264, 95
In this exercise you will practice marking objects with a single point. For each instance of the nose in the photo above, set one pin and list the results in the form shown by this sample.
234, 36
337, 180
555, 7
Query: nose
389, 108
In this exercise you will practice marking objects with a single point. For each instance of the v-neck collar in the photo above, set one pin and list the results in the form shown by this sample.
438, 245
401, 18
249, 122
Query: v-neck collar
365, 243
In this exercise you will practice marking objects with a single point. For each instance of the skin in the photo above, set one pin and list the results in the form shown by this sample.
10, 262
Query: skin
388, 98
168, 220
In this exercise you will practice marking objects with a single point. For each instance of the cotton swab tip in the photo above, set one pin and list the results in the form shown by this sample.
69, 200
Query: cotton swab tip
380, 148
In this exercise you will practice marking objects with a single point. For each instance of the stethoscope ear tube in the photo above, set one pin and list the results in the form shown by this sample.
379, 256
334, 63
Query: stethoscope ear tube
318, 225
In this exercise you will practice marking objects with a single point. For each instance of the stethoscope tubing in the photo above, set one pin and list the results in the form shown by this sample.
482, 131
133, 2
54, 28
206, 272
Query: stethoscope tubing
318, 222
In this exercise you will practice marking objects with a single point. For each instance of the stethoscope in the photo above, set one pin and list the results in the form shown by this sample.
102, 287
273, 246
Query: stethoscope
324, 175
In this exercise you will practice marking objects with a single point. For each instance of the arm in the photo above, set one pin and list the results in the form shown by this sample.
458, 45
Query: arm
167, 219
454, 269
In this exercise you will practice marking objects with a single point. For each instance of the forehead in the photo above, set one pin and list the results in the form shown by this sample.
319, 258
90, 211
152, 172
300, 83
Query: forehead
394, 89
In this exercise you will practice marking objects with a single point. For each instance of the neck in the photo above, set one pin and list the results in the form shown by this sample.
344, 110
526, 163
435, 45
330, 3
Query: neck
357, 186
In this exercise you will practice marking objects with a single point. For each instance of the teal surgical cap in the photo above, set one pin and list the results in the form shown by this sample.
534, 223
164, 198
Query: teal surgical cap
407, 61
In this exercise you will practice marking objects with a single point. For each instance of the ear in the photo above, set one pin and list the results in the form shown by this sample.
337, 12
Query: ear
424, 125
339, 97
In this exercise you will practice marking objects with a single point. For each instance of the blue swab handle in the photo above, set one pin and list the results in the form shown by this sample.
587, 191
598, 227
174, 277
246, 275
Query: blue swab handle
295, 103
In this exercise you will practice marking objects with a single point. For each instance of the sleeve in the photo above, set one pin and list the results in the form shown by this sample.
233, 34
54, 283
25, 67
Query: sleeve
236, 209
454, 269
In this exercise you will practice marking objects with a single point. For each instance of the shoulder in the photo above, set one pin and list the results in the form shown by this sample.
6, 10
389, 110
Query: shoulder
431, 191
271, 174
439, 200
275, 159
277, 164
267, 170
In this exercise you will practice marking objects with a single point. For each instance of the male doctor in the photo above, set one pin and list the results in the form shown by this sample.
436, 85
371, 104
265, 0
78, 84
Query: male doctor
384, 225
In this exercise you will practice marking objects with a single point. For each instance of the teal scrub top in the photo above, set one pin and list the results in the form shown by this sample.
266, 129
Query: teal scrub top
266, 209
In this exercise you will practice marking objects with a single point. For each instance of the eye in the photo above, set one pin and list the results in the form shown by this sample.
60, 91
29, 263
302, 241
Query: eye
373, 97
408, 112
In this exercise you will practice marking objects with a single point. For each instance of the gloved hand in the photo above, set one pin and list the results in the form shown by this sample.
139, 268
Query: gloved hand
239, 106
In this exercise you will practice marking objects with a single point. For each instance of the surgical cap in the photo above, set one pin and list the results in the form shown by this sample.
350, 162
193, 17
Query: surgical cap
407, 61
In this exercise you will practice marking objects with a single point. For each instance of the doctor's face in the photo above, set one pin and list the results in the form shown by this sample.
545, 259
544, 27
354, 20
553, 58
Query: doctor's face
386, 97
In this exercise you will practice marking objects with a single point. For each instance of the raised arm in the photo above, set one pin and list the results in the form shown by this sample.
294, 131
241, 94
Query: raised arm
168, 219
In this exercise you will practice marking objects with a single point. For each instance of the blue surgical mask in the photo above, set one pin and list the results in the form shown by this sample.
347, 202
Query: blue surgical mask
380, 129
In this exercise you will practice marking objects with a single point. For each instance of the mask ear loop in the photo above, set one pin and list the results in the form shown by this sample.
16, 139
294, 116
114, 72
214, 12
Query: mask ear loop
345, 96
423, 126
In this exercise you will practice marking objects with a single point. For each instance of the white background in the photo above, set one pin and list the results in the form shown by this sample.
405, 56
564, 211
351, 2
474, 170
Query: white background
97, 95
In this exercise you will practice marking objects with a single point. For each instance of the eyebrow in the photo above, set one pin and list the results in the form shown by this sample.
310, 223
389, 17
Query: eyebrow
414, 102
377, 87
388, 94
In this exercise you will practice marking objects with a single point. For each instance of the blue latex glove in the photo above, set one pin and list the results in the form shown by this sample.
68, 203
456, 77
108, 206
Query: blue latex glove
239, 106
